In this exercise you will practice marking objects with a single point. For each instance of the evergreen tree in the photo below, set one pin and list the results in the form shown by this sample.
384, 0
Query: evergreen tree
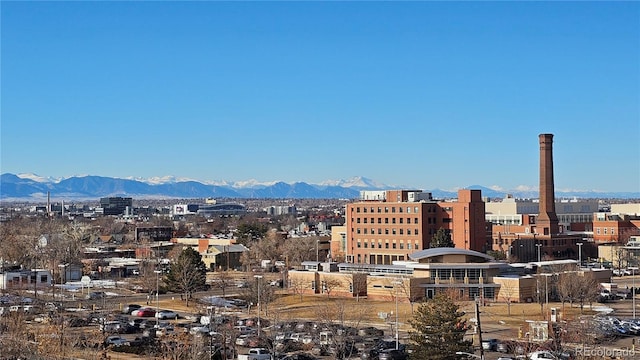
442, 238
188, 273
439, 330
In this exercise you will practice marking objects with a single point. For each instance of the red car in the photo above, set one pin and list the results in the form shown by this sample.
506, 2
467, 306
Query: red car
144, 312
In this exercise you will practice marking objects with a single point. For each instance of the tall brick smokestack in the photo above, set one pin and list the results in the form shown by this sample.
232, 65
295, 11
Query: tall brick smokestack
547, 218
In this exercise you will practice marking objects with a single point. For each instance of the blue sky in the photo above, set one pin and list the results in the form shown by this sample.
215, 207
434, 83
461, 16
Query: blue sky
422, 94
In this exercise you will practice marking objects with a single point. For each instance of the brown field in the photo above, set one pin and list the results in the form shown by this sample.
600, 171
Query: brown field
494, 315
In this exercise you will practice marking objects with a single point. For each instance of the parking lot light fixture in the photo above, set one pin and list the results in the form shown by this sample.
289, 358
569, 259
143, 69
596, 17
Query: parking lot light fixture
157, 295
633, 289
258, 278
579, 254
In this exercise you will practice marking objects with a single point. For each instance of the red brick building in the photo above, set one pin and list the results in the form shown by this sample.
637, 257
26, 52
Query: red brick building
387, 226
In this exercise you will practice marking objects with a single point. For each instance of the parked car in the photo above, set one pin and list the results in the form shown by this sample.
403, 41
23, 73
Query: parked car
490, 344
166, 314
371, 331
144, 312
94, 295
392, 354
128, 309
502, 347
541, 355
115, 340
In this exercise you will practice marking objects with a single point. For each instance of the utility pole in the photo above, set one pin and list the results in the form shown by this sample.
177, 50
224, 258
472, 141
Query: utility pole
479, 329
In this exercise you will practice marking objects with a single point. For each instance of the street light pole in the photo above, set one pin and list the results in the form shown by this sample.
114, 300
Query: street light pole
258, 278
395, 285
579, 254
157, 295
538, 246
633, 289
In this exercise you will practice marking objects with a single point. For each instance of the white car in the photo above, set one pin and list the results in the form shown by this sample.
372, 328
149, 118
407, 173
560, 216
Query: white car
541, 355
166, 314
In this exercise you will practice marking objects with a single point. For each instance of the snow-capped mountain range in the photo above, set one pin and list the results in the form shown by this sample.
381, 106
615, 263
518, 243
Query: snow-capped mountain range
31, 187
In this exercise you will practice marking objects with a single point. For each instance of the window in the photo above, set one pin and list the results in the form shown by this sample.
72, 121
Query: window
408, 231
386, 220
365, 231
393, 245
386, 245
598, 231
401, 231
379, 245
400, 209
379, 209
366, 245
417, 247
359, 245
358, 220
408, 210
379, 231
415, 220
401, 245
313, 285
393, 231
393, 220
363, 209
605, 231
408, 246
357, 209
393, 209
612, 232
372, 210
415, 232
415, 209
444, 274
386, 209
365, 220
358, 231
386, 231
401, 220
379, 220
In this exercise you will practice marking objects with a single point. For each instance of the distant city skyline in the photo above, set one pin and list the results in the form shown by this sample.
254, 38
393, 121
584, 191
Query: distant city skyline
433, 95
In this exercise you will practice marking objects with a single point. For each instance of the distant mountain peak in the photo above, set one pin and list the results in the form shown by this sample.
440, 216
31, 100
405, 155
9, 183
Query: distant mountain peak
37, 178
354, 182
33, 187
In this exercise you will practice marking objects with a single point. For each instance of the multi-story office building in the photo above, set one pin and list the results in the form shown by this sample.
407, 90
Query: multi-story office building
573, 214
615, 227
387, 226
116, 205
281, 210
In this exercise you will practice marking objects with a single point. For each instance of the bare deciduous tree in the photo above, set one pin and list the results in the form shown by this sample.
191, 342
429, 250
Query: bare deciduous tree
507, 290
329, 284
335, 319
223, 280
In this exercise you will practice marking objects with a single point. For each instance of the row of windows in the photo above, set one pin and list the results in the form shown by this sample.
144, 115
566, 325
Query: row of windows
393, 220
457, 274
416, 209
387, 232
555, 242
613, 231
386, 245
